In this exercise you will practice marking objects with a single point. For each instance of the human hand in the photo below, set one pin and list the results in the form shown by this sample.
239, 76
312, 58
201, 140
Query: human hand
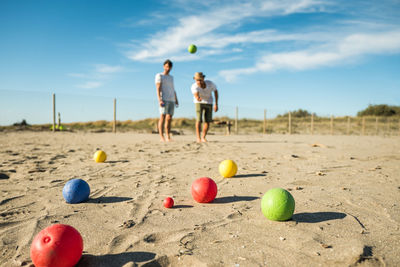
216, 107
162, 104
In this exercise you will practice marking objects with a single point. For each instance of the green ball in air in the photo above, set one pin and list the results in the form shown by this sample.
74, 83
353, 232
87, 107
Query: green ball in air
192, 48
277, 204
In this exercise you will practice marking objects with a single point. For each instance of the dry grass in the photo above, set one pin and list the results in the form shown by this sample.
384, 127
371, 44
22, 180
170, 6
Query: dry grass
322, 125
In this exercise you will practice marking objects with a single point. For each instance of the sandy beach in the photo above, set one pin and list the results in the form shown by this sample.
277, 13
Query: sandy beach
346, 188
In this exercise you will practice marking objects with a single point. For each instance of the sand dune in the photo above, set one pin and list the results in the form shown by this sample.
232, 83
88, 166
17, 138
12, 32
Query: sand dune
346, 188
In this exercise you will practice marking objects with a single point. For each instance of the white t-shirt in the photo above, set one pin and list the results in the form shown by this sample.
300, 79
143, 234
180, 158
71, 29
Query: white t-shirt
204, 93
167, 86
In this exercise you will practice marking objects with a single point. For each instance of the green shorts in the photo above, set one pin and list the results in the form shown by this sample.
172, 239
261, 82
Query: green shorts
205, 109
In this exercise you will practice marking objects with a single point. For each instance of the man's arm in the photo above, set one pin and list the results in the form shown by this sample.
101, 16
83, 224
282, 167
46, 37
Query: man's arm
216, 100
158, 86
197, 96
176, 99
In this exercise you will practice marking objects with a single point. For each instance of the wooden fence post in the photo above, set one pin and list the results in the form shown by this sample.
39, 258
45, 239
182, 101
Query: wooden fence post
387, 126
376, 126
312, 123
236, 120
290, 122
228, 128
54, 112
265, 122
115, 116
331, 124
363, 126
348, 125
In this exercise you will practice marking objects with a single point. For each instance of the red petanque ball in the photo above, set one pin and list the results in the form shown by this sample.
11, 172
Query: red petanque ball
204, 190
168, 202
58, 245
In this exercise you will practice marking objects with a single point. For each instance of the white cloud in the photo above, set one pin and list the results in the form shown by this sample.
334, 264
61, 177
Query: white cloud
90, 85
103, 68
348, 48
386, 42
133, 22
214, 29
101, 73
201, 29
77, 75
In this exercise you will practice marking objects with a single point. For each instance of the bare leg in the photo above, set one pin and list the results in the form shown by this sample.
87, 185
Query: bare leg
198, 128
168, 120
160, 127
205, 130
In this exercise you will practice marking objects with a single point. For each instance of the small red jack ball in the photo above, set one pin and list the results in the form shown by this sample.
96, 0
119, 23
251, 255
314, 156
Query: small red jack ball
168, 202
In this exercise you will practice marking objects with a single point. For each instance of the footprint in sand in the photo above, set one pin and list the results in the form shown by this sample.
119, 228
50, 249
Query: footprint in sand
4, 201
60, 156
116, 242
11, 153
128, 224
11, 247
187, 243
234, 215
4, 176
150, 238
37, 170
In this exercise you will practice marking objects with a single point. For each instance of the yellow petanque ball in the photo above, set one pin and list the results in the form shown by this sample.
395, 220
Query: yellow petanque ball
100, 156
227, 168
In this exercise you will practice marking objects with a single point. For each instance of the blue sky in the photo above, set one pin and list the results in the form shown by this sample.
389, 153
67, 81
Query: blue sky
328, 57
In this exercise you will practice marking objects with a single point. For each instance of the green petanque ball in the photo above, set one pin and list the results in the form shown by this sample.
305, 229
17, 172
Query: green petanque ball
277, 204
192, 48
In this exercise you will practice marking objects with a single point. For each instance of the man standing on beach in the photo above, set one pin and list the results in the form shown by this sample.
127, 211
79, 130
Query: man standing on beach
167, 100
203, 99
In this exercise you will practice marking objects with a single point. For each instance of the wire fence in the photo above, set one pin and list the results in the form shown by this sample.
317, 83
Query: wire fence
97, 113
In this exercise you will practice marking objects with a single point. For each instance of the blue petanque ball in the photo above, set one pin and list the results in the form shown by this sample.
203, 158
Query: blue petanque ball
76, 191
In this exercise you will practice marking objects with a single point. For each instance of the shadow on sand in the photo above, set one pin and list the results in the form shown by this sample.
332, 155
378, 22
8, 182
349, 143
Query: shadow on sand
249, 175
108, 199
252, 142
182, 206
316, 217
118, 260
224, 200
116, 161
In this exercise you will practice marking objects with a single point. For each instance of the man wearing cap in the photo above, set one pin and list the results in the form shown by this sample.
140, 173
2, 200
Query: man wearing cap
202, 91
167, 99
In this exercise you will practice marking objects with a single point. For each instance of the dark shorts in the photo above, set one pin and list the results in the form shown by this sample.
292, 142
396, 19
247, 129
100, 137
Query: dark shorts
205, 109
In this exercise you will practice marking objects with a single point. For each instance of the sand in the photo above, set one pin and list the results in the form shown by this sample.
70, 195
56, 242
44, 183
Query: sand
346, 188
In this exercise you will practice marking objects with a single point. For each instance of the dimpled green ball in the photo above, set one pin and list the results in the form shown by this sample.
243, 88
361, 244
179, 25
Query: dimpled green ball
192, 49
277, 204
